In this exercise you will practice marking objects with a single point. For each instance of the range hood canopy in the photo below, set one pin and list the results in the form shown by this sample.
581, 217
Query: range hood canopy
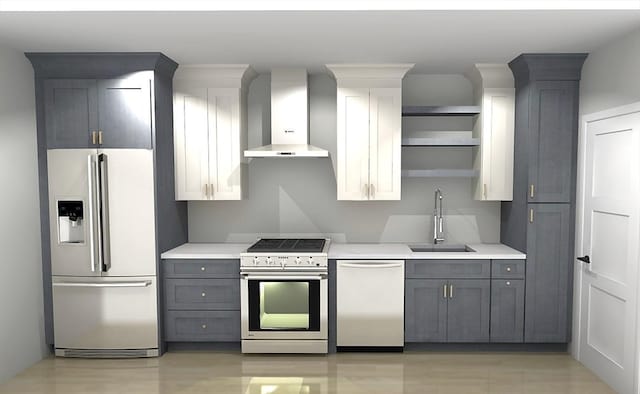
289, 117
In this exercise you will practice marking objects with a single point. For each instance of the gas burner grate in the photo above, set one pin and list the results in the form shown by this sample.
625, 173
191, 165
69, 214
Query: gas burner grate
288, 245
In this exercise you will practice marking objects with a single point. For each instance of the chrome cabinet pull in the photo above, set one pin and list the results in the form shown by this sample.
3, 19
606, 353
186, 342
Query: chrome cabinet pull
206, 190
508, 269
444, 291
202, 269
204, 326
532, 189
366, 190
450, 291
531, 215
211, 188
373, 191
508, 283
100, 137
484, 190
93, 137
204, 294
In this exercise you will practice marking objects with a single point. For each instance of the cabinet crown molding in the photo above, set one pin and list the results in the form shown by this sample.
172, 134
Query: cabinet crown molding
219, 75
490, 75
548, 66
97, 65
369, 71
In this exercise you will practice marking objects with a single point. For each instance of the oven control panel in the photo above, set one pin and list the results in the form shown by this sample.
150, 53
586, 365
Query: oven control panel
289, 261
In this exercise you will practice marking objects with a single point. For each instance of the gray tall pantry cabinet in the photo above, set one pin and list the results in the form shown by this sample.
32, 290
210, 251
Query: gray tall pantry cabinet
540, 219
108, 100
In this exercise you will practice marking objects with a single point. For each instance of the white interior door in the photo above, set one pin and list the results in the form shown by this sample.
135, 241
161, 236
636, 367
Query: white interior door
385, 144
610, 237
353, 144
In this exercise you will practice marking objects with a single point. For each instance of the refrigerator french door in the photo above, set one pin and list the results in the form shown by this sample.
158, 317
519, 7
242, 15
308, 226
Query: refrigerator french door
103, 252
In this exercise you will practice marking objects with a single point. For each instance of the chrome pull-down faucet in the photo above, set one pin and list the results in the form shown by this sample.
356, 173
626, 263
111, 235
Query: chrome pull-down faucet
438, 219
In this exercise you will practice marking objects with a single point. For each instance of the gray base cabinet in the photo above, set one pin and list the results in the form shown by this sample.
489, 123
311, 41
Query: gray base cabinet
468, 310
507, 310
425, 310
202, 300
549, 250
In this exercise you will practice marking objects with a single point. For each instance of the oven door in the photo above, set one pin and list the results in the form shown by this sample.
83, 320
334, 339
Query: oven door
284, 305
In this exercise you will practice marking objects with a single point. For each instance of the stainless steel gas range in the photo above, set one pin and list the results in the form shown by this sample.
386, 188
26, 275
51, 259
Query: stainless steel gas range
284, 296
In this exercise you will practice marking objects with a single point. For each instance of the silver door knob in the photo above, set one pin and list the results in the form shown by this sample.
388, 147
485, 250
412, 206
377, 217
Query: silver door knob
508, 283
508, 269
204, 294
204, 326
202, 268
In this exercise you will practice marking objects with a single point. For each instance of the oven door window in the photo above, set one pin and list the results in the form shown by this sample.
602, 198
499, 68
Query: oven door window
284, 305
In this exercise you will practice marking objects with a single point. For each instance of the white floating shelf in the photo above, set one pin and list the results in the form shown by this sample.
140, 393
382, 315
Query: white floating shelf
440, 173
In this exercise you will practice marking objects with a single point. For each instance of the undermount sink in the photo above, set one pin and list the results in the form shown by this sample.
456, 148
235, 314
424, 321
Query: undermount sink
440, 248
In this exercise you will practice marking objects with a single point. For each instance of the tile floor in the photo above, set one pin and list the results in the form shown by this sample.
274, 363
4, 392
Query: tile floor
348, 373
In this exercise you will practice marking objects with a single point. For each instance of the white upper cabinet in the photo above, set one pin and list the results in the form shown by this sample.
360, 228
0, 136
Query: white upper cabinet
369, 140
210, 131
494, 92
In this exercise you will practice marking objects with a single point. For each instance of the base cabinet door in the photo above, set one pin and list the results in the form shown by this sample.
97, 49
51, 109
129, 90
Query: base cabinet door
548, 266
468, 310
507, 310
425, 310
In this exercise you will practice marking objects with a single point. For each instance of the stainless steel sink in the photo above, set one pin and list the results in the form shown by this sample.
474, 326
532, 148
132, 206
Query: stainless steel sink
440, 248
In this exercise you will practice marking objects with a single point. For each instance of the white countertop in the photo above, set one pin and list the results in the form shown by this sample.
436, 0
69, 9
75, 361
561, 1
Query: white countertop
349, 251
402, 251
206, 251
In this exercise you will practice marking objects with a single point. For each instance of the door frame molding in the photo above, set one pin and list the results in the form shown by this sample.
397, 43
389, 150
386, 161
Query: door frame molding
574, 346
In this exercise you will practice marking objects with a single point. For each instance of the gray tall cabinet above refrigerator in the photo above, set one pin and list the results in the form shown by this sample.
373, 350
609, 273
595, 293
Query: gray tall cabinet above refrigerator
115, 106
540, 219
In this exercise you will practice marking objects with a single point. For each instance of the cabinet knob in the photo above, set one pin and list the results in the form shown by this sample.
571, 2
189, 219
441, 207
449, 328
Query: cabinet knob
508, 283
204, 326
508, 269
204, 294
202, 269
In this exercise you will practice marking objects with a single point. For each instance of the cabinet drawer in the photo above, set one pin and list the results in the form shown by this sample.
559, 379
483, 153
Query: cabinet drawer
198, 294
448, 269
507, 269
202, 326
201, 268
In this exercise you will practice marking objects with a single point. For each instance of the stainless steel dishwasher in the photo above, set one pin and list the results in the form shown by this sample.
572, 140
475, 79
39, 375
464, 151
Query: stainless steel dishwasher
370, 303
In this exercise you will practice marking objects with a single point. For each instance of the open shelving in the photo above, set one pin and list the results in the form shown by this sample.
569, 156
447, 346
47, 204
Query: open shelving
440, 110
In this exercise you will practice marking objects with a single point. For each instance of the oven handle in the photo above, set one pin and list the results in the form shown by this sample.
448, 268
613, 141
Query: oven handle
283, 277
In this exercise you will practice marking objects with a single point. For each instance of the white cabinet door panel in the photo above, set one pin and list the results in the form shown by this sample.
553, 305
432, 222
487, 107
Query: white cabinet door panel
224, 143
353, 143
191, 144
385, 143
497, 141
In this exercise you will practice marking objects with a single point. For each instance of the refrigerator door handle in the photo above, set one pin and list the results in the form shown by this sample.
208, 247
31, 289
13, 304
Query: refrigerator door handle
93, 225
105, 245
145, 283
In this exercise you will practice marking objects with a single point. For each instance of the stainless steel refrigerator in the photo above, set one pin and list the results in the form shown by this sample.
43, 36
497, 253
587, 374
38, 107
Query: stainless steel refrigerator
103, 252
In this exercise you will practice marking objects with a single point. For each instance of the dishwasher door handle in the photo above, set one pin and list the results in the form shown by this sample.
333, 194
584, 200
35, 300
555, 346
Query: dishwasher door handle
369, 265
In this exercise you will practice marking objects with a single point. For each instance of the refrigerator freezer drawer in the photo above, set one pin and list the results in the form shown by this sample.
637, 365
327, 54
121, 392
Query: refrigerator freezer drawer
105, 313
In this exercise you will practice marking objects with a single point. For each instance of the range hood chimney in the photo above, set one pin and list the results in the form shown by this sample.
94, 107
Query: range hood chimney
289, 117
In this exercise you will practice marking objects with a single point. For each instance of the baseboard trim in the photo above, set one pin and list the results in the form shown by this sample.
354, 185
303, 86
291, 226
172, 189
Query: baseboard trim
370, 349
203, 346
488, 347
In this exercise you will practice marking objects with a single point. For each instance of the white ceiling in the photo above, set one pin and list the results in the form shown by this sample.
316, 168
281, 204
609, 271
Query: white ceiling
437, 41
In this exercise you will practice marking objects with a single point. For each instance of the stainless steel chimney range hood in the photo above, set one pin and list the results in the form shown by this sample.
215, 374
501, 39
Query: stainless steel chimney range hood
289, 117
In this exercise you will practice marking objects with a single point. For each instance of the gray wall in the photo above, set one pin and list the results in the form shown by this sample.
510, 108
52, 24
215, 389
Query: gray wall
610, 75
298, 196
22, 328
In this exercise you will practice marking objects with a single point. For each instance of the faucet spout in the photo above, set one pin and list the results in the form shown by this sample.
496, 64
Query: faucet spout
438, 218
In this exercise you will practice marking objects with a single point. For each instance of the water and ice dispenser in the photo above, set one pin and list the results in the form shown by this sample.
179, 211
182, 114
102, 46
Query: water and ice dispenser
70, 222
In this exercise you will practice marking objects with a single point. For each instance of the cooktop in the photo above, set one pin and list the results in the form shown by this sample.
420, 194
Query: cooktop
288, 245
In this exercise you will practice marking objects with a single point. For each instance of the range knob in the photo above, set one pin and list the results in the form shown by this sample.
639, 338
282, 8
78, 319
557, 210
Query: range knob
269, 261
255, 261
298, 261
